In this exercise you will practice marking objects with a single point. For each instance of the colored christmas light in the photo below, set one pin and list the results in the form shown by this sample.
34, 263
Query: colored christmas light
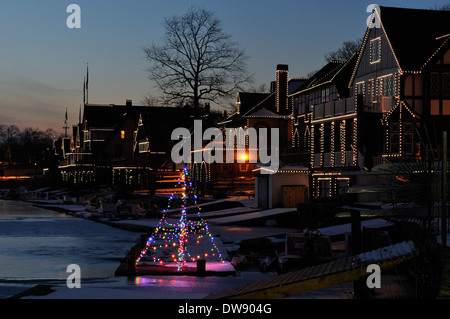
186, 240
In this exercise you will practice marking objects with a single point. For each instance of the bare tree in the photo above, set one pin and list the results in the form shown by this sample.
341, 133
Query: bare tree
444, 7
345, 52
197, 61
261, 88
151, 100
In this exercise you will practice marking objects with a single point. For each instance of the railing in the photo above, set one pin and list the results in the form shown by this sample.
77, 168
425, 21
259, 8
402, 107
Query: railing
350, 105
74, 159
295, 158
327, 159
378, 104
349, 158
318, 111
338, 159
329, 109
317, 160
335, 108
339, 107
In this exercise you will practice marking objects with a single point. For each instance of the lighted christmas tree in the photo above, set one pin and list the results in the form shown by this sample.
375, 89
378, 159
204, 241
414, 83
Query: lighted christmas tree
183, 241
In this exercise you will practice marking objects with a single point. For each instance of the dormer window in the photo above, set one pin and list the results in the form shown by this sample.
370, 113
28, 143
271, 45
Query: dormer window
375, 50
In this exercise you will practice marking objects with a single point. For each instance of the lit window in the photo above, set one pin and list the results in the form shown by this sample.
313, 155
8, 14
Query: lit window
243, 167
122, 134
375, 50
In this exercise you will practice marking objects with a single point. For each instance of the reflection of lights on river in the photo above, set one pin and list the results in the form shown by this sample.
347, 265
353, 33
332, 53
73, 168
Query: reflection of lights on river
166, 282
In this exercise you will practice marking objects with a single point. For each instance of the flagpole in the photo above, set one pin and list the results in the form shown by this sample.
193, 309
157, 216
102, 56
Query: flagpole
65, 125
87, 84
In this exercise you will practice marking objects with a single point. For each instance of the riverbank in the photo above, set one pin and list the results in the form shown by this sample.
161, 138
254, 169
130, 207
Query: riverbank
232, 237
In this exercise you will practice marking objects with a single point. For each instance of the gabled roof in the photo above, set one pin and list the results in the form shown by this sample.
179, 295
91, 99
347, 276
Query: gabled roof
337, 72
415, 35
248, 100
325, 74
158, 122
295, 84
103, 115
268, 103
263, 112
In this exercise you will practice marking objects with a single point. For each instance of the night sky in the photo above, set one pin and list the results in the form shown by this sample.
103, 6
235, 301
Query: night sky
43, 62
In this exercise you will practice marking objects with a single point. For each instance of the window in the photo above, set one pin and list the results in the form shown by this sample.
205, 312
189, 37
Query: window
324, 187
446, 84
394, 138
243, 168
342, 185
434, 85
388, 86
445, 107
408, 143
408, 138
87, 135
375, 50
360, 88
299, 104
326, 95
371, 90
144, 147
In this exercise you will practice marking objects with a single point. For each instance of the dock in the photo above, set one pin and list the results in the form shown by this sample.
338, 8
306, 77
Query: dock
324, 275
247, 216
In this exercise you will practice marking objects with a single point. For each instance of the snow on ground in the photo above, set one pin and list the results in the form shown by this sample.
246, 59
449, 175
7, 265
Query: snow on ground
250, 216
193, 287
154, 287
346, 228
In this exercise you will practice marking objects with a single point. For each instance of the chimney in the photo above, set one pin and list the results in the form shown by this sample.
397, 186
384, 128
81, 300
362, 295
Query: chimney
129, 102
282, 88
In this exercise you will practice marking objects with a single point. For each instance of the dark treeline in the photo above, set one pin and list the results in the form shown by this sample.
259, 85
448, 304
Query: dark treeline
27, 147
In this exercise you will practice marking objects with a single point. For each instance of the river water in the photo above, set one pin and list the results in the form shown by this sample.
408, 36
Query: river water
37, 245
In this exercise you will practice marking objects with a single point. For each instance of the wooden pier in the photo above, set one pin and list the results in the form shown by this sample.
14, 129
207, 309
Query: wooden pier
324, 275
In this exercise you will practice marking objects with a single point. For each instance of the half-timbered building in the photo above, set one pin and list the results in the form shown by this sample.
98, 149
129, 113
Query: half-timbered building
398, 96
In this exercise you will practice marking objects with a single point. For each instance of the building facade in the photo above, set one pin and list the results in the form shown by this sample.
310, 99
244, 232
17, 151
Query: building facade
396, 94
